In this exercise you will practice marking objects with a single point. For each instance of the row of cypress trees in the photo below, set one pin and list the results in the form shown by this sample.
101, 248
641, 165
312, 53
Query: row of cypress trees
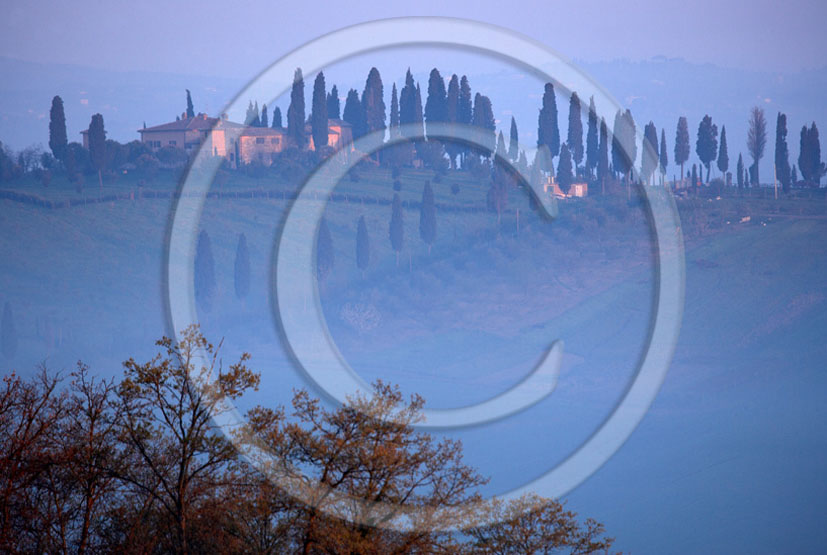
204, 266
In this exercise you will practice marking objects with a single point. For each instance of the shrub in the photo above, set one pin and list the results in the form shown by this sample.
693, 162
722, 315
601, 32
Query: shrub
147, 165
172, 156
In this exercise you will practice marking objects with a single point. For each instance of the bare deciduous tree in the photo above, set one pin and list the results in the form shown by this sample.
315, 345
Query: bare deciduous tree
756, 139
139, 467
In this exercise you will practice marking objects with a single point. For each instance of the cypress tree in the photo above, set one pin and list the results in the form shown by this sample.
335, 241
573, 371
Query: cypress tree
740, 171
809, 158
484, 120
408, 118
97, 146
241, 268
265, 122
362, 246
324, 252
394, 120
565, 175
575, 136
649, 159
794, 175
664, 156
815, 150
723, 153
465, 109
250, 117
522, 163
513, 142
419, 121
407, 96
8, 335
453, 148
591, 139
57, 129
353, 113
547, 129
427, 216
256, 116
436, 112
682, 143
333, 108
277, 118
204, 284
418, 114
782, 155
501, 152
452, 100
617, 155
804, 157
603, 154
318, 117
396, 229
399, 153
295, 112
436, 106
624, 147
706, 146
694, 176
190, 108
373, 103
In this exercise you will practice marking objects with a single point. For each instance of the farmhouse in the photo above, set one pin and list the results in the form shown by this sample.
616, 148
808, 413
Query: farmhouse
234, 141
185, 133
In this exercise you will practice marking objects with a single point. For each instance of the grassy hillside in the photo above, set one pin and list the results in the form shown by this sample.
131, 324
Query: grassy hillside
469, 319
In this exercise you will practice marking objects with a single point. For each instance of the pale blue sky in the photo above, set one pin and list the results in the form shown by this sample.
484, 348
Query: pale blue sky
240, 38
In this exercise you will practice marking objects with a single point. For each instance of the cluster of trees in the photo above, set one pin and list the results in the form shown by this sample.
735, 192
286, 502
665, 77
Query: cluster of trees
256, 118
594, 159
368, 113
709, 147
453, 104
138, 466
102, 157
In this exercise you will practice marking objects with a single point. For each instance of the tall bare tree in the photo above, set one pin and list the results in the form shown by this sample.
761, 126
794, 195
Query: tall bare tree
756, 140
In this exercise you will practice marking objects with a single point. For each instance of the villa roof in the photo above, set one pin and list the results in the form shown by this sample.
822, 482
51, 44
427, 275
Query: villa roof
202, 122
197, 123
